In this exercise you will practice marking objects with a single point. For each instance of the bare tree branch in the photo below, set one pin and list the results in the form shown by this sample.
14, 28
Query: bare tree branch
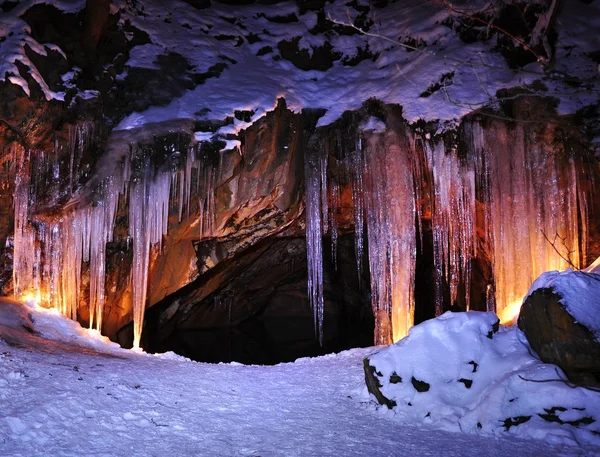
563, 241
540, 59
566, 382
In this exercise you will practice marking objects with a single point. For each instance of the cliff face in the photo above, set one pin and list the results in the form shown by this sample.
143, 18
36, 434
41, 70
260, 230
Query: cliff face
276, 224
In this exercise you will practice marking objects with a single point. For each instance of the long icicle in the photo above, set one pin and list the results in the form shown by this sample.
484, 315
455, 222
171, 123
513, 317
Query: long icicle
391, 215
315, 188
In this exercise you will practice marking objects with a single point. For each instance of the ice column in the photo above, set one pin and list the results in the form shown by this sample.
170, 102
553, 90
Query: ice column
453, 221
183, 179
355, 169
533, 205
26, 253
391, 214
207, 176
49, 250
333, 224
316, 192
148, 222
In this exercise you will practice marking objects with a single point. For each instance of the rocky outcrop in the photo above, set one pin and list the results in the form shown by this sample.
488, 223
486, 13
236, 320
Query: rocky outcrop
558, 339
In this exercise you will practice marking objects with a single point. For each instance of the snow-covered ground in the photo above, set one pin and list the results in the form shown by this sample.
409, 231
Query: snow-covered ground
75, 394
462, 372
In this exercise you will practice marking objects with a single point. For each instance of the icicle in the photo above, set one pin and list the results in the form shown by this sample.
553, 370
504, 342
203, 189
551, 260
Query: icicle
182, 184
355, 168
190, 161
420, 176
61, 245
324, 194
531, 204
313, 175
333, 224
184, 178
453, 222
206, 201
148, 222
49, 253
391, 212
490, 298
73, 249
582, 201
24, 260
79, 139
139, 231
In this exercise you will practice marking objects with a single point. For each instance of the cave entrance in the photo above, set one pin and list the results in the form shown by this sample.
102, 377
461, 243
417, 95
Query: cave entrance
258, 311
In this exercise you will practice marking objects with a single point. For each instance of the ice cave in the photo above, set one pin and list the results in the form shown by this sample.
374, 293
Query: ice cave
263, 182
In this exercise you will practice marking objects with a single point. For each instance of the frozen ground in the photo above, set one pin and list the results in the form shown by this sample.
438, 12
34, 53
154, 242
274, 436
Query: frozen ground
82, 396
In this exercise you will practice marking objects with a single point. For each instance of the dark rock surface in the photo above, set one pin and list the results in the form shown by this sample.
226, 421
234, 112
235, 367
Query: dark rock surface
558, 339
254, 308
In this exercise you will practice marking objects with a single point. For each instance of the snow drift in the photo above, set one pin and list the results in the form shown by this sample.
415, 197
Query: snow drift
462, 372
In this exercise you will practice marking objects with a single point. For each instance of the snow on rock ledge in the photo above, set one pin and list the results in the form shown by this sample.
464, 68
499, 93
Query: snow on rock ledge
561, 318
580, 292
461, 372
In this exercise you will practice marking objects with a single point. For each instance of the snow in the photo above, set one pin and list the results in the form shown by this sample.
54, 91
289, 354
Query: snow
398, 74
15, 36
467, 75
580, 292
143, 56
60, 397
483, 382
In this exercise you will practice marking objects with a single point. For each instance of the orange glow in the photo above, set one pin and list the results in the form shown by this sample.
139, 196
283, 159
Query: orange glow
37, 299
510, 313
32, 297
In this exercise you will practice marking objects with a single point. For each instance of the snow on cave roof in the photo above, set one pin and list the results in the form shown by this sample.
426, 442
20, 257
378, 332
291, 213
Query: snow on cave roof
15, 35
443, 80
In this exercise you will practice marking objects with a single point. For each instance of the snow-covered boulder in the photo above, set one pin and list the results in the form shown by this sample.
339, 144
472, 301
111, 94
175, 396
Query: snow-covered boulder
464, 372
561, 319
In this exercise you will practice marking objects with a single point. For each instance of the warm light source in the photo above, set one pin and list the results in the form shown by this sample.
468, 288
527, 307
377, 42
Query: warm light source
31, 297
37, 299
510, 313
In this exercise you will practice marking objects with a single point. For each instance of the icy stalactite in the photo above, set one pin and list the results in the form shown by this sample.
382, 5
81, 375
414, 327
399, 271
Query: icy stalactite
390, 213
176, 188
315, 188
80, 136
421, 175
181, 183
527, 198
100, 220
453, 221
139, 233
26, 253
185, 195
333, 223
207, 176
149, 197
323, 162
578, 176
73, 250
51, 249
532, 209
355, 170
